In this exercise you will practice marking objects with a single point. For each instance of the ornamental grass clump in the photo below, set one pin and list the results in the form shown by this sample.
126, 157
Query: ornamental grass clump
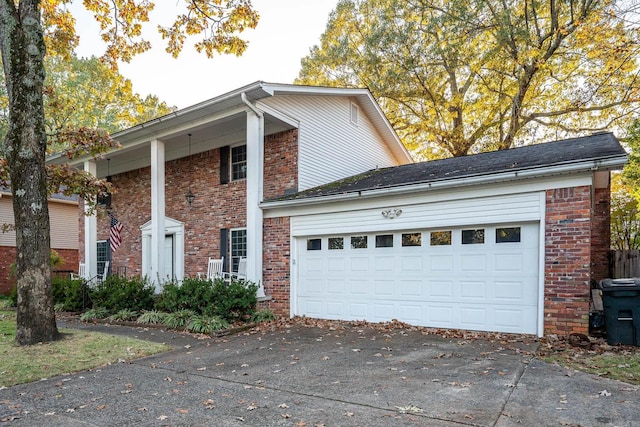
178, 319
153, 317
206, 324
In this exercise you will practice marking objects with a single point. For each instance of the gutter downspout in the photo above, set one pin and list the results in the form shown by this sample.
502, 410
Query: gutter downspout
255, 193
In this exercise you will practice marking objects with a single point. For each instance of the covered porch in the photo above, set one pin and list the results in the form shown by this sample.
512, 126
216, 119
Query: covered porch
171, 196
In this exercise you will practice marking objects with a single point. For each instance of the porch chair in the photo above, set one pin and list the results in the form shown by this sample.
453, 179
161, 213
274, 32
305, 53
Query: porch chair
214, 269
81, 272
241, 274
105, 272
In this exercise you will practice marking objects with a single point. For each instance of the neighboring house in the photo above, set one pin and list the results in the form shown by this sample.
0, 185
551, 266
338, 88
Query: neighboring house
313, 186
63, 214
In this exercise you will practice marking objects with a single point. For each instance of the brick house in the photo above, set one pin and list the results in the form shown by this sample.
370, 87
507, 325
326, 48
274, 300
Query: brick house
313, 186
63, 213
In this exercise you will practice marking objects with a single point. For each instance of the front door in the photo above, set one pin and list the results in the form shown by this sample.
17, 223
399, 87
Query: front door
169, 257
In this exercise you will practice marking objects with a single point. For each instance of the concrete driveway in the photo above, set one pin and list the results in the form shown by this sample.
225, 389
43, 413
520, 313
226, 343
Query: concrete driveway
297, 375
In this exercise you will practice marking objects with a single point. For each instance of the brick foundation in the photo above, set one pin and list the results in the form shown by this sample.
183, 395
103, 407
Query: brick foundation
567, 260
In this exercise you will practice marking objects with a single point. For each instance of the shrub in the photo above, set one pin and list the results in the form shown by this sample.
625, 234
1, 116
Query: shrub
119, 293
193, 294
230, 301
234, 301
69, 293
13, 297
206, 324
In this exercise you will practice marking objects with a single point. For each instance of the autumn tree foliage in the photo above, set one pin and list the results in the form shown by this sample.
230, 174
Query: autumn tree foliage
463, 76
29, 31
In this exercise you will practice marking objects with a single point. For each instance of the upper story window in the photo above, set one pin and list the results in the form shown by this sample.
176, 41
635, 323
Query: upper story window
238, 162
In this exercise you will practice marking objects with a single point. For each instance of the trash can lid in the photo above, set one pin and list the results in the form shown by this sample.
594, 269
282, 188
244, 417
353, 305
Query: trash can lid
631, 282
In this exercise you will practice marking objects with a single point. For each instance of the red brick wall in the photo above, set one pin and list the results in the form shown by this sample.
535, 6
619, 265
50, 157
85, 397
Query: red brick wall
567, 260
8, 257
600, 234
281, 164
214, 207
276, 263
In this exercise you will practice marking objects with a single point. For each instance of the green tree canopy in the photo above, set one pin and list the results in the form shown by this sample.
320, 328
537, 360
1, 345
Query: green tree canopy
462, 76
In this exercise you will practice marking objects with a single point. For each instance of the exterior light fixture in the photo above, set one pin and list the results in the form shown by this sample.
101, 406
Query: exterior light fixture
391, 213
190, 196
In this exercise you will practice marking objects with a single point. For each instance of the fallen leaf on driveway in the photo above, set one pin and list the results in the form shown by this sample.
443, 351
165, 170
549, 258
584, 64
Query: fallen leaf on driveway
410, 409
182, 411
162, 417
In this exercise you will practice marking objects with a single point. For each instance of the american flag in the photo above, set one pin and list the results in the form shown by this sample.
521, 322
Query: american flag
114, 233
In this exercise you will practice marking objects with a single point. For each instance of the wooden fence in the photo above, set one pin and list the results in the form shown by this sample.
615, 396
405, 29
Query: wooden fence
624, 264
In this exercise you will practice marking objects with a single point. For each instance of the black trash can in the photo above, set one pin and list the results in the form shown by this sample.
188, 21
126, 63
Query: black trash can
621, 301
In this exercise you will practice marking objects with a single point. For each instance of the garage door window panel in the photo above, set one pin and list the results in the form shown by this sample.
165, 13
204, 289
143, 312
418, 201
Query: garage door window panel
314, 244
473, 237
411, 239
336, 243
508, 235
440, 238
358, 242
384, 241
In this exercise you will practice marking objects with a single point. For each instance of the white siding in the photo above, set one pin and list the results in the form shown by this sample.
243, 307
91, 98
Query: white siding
330, 147
488, 210
63, 218
64, 225
6, 217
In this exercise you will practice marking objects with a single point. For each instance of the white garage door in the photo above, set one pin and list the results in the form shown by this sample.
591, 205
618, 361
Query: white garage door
477, 278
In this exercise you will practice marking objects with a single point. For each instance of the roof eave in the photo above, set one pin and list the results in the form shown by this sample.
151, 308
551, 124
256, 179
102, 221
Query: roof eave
609, 163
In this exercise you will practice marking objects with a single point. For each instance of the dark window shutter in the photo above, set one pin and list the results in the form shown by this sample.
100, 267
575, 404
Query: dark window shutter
224, 164
224, 247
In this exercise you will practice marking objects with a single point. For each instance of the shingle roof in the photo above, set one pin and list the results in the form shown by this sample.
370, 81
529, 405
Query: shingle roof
575, 150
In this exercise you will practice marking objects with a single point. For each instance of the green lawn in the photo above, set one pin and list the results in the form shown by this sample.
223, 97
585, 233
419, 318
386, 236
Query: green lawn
75, 351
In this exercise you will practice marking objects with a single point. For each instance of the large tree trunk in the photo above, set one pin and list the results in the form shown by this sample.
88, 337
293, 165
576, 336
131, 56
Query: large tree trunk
23, 50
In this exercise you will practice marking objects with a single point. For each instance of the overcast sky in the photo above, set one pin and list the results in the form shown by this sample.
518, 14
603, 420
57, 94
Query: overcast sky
286, 31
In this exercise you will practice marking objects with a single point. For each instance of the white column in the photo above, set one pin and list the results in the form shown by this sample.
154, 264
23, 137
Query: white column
156, 266
255, 156
90, 232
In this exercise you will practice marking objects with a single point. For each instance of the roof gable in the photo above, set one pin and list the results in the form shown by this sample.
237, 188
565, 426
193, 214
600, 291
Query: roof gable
600, 150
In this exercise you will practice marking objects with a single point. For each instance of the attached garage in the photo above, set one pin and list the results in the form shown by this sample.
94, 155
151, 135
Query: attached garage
507, 241
444, 264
